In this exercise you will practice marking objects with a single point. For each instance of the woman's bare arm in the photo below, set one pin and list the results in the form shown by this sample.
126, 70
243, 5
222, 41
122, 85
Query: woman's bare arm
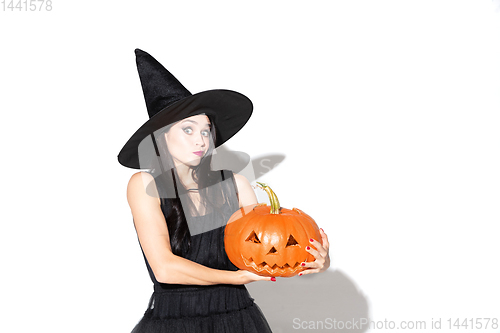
152, 231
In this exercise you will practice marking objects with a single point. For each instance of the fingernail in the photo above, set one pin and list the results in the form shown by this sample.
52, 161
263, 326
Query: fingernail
273, 279
322, 229
303, 264
307, 247
311, 240
300, 274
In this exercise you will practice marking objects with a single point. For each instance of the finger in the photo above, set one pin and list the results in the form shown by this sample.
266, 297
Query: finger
309, 271
314, 252
318, 263
324, 238
320, 249
264, 278
313, 264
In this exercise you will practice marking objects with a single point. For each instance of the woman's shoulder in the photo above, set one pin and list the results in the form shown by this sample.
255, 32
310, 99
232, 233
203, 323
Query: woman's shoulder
246, 195
142, 184
240, 179
140, 178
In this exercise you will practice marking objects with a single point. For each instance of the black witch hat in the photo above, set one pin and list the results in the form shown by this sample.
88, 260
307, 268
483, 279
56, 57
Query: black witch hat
168, 101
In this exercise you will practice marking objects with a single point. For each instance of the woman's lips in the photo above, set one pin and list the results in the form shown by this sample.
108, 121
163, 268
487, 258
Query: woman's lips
198, 153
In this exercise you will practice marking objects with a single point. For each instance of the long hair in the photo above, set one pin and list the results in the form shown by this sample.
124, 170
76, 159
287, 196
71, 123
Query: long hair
210, 190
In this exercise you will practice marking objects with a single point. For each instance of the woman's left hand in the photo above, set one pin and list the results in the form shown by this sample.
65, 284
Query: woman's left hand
322, 261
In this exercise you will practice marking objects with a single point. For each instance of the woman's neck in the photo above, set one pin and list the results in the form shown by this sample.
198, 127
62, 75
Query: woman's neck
185, 175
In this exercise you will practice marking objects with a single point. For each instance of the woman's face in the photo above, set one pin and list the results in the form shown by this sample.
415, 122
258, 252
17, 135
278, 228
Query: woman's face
188, 140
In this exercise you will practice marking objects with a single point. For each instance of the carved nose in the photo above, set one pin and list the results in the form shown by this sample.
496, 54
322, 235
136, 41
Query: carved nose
272, 250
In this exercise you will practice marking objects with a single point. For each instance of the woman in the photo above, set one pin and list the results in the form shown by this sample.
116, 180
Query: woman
180, 207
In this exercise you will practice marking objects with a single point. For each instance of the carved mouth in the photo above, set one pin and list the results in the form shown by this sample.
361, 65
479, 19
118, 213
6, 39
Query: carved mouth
263, 266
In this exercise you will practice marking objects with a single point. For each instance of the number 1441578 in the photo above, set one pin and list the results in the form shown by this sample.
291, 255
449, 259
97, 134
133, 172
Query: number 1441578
473, 323
27, 5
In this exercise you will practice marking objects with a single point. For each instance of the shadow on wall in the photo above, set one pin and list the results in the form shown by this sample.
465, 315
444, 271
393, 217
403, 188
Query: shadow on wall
240, 162
312, 302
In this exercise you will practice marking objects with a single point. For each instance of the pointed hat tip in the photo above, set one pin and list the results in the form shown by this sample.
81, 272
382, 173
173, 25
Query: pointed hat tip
139, 52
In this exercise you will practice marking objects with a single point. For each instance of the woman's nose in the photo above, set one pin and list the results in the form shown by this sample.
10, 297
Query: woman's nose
200, 140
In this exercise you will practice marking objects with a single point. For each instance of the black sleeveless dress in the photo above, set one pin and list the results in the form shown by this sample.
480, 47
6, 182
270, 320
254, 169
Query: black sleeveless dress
221, 308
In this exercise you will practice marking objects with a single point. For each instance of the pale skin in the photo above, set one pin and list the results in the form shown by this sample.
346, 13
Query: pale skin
183, 139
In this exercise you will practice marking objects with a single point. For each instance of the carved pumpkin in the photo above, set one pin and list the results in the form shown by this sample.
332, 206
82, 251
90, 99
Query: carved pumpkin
270, 240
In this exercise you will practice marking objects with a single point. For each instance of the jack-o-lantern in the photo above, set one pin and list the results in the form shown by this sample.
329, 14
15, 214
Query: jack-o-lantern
270, 240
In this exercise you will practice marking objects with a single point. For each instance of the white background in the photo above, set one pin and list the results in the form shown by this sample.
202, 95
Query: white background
387, 113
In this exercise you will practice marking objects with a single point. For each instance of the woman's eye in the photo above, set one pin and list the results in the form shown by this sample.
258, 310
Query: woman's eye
188, 130
205, 133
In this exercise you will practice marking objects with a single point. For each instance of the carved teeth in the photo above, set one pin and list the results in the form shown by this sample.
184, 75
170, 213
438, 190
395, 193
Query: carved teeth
264, 266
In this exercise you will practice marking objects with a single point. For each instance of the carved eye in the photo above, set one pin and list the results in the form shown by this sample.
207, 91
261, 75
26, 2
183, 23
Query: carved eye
253, 238
291, 241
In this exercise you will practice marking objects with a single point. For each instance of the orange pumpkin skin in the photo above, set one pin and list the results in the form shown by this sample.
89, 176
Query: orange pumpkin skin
270, 244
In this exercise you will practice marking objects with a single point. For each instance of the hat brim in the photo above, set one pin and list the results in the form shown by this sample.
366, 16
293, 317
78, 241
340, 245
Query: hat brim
228, 109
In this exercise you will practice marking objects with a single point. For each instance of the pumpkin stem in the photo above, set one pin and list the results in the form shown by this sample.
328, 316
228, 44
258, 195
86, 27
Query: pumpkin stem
273, 199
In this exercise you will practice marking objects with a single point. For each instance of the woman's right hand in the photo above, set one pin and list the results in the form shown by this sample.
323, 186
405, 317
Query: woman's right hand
246, 277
